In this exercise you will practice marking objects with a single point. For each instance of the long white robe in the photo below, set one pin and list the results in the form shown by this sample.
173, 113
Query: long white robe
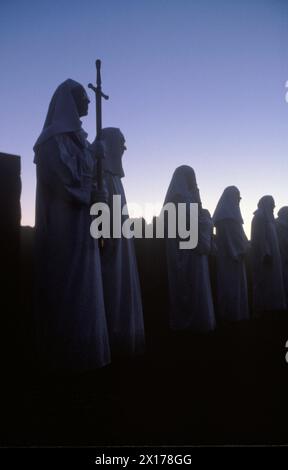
231, 281
122, 293
268, 288
191, 304
70, 316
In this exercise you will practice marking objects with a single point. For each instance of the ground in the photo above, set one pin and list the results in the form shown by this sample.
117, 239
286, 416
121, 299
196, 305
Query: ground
229, 387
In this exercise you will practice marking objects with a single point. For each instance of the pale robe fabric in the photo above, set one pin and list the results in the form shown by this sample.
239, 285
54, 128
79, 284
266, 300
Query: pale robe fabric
190, 297
70, 320
122, 292
282, 232
268, 287
231, 247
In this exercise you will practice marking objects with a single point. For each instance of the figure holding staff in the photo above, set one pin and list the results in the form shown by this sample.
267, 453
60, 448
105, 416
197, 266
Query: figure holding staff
70, 320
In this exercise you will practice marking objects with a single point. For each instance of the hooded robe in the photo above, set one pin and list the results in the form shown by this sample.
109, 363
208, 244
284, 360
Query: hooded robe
282, 232
268, 287
122, 293
232, 245
70, 322
190, 297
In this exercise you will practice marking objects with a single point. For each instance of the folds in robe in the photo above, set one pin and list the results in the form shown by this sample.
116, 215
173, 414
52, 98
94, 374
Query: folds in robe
231, 281
268, 287
70, 317
282, 232
190, 297
122, 292
231, 247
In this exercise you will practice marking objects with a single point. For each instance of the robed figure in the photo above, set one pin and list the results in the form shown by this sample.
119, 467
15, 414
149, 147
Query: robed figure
268, 287
122, 293
70, 319
231, 248
282, 232
190, 298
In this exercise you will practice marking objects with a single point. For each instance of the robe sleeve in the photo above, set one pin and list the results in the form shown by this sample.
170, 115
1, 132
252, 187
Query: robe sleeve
205, 233
259, 241
63, 170
232, 238
282, 233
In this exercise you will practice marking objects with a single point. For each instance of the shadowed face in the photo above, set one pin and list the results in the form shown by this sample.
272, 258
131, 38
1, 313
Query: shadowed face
118, 143
81, 99
283, 213
270, 204
237, 197
233, 194
114, 142
122, 146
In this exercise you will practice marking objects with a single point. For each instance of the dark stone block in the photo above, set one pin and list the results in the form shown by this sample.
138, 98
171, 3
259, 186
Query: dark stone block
10, 216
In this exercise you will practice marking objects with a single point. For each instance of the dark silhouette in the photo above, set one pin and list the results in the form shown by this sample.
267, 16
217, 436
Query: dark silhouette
229, 387
282, 232
10, 215
191, 305
231, 248
268, 287
122, 294
70, 319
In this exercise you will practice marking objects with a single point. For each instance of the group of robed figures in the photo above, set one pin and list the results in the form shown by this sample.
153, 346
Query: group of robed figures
88, 306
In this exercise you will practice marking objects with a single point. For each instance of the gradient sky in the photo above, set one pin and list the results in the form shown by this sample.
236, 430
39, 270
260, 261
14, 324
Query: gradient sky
197, 82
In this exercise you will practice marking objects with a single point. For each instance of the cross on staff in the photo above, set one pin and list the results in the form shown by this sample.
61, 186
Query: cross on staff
99, 95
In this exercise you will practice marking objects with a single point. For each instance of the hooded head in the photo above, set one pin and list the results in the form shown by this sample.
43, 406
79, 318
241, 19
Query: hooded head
183, 186
81, 99
68, 104
283, 216
266, 207
228, 206
114, 142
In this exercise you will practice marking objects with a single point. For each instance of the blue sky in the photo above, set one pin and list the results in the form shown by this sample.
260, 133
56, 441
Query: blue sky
198, 82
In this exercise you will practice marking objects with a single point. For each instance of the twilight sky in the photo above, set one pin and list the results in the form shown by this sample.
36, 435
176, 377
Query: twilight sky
197, 82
